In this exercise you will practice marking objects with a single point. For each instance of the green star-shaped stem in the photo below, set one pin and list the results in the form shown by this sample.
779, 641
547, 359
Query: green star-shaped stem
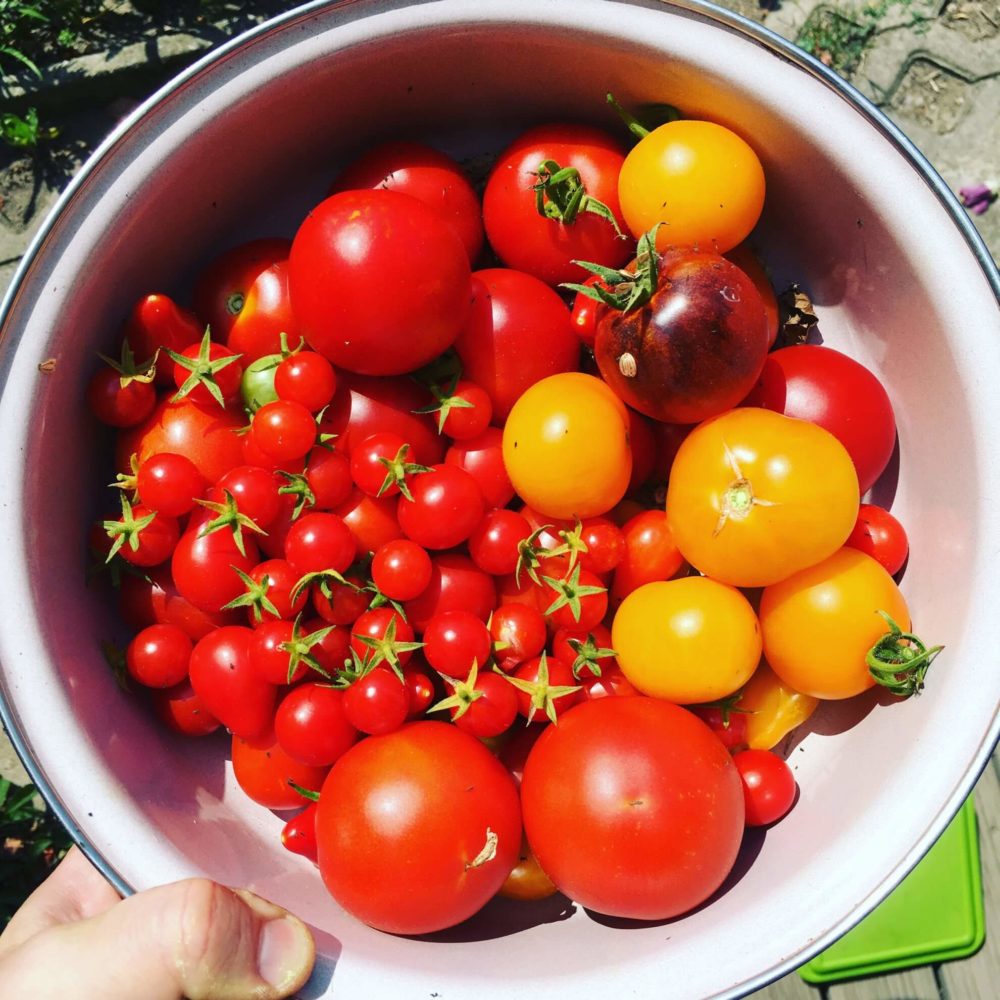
530, 553
397, 469
588, 655
299, 649
387, 649
569, 591
127, 528
573, 542
464, 693
203, 370
229, 516
625, 289
128, 369
254, 597
543, 694
297, 486
445, 402
129, 481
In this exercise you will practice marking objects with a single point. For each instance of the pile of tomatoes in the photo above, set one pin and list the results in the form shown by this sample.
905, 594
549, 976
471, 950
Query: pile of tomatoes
397, 524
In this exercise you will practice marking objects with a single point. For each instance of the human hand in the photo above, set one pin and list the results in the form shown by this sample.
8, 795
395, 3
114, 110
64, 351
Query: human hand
74, 937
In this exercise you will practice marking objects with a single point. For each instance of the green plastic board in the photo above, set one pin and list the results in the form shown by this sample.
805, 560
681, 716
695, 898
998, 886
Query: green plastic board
935, 914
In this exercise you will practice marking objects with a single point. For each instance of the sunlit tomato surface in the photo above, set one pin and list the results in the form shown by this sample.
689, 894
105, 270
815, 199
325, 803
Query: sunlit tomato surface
205, 435
650, 554
417, 829
829, 388
423, 173
243, 297
819, 624
700, 179
771, 709
265, 774
768, 786
695, 349
378, 281
633, 807
565, 446
690, 640
546, 245
879, 535
754, 497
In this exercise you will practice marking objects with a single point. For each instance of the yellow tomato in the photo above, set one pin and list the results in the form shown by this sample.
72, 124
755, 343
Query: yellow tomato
773, 708
699, 179
755, 496
565, 446
819, 624
690, 640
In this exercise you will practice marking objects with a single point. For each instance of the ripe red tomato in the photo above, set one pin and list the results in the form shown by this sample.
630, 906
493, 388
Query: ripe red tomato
266, 774
445, 508
379, 283
518, 632
828, 388
372, 520
768, 786
669, 816
418, 829
319, 541
221, 674
181, 709
243, 297
423, 173
879, 535
482, 458
517, 332
650, 554
454, 640
457, 584
158, 656
153, 597
311, 725
494, 543
117, 405
546, 689
298, 835
169, 484
306, 378
157, 322
377, 703
283, 430
401, 569
545, 244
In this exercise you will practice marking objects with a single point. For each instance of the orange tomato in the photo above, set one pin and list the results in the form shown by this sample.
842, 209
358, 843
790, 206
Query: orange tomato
755, 496
773, 709
819, 624
690, 640
699, 179
566, 448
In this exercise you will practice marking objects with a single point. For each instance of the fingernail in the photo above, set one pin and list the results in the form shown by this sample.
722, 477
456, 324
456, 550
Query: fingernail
285, 952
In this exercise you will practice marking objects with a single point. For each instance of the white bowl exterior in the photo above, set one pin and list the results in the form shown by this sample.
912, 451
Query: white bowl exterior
243, 149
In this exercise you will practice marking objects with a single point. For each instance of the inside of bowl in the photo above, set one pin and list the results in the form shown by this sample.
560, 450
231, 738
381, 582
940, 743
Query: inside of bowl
243, 149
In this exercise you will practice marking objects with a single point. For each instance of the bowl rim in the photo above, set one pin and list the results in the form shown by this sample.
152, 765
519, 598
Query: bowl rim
339, 12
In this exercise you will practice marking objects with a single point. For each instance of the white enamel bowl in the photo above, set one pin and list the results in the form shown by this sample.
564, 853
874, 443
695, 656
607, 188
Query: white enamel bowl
241, 146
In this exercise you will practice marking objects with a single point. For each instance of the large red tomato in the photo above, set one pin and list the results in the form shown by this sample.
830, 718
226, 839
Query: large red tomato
424, 173
633, 807
379, 282
417, 829
518, 331
545, 244
828, 388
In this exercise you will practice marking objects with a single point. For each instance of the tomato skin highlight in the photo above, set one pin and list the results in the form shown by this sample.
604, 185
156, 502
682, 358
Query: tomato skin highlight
368, 241
633, 807
768, 786
402, 820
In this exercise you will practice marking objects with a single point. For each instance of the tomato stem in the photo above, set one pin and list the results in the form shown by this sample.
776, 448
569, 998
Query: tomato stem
899, 660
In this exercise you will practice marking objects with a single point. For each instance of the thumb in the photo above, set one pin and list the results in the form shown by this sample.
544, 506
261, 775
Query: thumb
193, 939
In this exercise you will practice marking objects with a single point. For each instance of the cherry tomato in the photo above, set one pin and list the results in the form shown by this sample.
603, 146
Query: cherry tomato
747, 261
650, 555
373, 521
266, 773
119, 405
182, 710
311, 725
486, 708
516, 333
819, 623
579, 647
319, 541
298, 835
878, 534
243, 297
565, 445
669, 815
457, 584
546, 243
828, 388
158, 656
494, 543
201, 360
268, 659
519, 633
426, 807
341, 603
611, 683
691, 640
754, 497
387, 243
444, 508
700, 180
204, 566
454, 640
482, 458
382, 634
328, 475
546, 689
255, 491
573, 598
220, 672
144, 544
467, 411
768, 786
419, 688
401, 569
169, 484
377, 703
156, 323
332, 649
423, 173
379, 464
697, 346
729, 724
306, 378
283, 430
277, 578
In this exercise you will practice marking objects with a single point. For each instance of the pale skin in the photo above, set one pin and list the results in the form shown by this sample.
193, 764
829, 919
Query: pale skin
75, 937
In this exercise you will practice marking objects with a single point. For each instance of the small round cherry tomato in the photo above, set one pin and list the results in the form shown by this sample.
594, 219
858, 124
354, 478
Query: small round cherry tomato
454, 640
494, 543
311, 725
401, 569
158, 656
878, 534
377, 703
307, 378
445, 508
169, 484
266, 773
519, 633
284, 430
768, 786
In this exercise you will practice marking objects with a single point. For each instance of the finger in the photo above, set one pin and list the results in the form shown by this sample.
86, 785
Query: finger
193, 939
76, 890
